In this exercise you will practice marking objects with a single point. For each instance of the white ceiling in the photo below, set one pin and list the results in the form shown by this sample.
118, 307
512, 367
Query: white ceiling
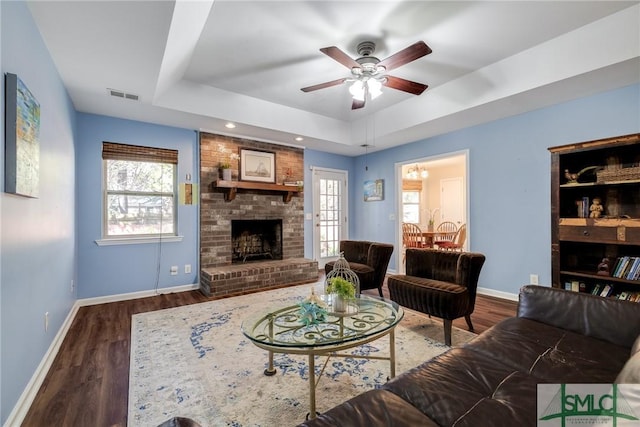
199, 64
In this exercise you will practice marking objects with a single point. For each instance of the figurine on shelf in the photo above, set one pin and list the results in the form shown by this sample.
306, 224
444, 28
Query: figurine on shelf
603, 268
574, 178
596, 208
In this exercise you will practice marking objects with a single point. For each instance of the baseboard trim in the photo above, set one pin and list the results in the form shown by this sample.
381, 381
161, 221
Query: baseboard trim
134, 295
16, 417
498, 294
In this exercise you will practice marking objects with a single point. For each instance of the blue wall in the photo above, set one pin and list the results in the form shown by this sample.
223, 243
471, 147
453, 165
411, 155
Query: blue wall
38, 235
509, 175
112, 270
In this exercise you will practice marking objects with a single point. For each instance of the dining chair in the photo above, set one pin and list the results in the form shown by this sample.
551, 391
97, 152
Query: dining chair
458, 242
446, 227
412, 236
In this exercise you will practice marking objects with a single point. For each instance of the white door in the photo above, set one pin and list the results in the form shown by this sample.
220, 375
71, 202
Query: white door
329, 213
452, 200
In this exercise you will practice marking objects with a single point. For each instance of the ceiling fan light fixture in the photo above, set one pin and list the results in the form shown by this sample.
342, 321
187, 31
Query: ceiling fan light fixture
374, 87
369, 72
357, 90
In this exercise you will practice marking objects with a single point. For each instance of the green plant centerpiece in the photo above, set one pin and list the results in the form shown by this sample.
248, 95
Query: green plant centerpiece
342, 291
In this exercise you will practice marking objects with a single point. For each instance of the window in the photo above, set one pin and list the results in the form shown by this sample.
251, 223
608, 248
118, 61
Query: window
411, 207
139, 191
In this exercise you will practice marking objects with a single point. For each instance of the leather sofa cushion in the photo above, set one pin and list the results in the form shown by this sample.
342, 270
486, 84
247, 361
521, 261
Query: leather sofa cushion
551, 354
374, 408
495, 376
605, 319
461, 384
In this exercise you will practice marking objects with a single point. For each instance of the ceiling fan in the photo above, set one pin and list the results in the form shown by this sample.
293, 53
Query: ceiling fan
369, 72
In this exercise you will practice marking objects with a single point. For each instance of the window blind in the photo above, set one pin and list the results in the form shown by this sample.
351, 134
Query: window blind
411, 185
114, 151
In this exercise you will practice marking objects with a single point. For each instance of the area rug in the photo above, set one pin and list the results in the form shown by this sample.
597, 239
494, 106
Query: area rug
194, 361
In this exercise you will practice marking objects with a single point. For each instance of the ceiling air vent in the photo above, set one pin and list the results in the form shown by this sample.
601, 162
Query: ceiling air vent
121, 94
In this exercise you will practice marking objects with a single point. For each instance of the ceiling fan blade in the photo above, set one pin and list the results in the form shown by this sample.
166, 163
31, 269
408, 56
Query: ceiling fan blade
323, 85
404, 85
357, 104
411, 53
338, 55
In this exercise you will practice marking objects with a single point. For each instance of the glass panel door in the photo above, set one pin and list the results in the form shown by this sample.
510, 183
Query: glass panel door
330, 213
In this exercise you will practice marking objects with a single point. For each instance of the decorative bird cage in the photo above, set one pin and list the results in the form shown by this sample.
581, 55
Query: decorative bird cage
341, 269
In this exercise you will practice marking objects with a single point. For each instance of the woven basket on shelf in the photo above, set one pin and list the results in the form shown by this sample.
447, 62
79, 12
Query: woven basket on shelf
622, 174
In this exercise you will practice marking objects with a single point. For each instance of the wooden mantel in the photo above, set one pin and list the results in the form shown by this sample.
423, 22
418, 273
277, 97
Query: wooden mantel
230, 188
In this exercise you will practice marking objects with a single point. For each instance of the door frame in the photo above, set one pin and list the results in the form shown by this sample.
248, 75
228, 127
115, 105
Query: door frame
314, 199
466, 181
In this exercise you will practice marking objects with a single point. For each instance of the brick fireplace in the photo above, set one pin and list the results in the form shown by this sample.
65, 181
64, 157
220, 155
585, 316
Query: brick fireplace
220, 275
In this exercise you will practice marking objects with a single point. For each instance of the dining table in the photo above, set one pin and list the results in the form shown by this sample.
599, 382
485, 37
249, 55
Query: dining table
430, 237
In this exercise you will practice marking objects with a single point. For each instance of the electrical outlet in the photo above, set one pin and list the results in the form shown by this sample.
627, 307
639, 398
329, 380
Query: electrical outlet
533, 279
46, 321
187, 268
174, 270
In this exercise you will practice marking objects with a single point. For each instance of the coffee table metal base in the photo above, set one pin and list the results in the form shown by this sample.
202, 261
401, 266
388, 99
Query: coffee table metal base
313, 352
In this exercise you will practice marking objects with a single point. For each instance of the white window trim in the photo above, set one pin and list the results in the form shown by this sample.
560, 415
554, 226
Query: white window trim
138, 240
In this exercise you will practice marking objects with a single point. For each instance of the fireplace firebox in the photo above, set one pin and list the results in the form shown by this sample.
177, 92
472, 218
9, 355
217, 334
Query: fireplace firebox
256, 239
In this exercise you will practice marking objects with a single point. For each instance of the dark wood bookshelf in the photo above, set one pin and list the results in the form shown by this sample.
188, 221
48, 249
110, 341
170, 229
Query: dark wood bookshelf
580, 241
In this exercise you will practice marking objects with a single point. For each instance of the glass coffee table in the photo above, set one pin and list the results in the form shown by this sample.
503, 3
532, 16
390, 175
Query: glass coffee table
282, 330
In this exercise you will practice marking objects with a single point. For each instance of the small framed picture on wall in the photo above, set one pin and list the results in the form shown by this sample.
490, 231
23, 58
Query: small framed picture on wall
374, 190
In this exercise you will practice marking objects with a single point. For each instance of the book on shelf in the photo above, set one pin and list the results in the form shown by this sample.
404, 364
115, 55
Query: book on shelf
606, 290
629, 296
575, 286
627, 267
582, 206
619, 265
633, 270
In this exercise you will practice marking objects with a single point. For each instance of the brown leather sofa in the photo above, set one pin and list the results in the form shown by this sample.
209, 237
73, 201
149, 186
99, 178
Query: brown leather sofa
369, 260
557, 337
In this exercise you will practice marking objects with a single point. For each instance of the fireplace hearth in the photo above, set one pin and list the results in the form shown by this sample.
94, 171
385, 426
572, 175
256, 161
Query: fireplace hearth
256, 240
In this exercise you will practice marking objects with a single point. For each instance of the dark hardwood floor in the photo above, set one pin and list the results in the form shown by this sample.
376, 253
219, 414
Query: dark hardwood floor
88, 383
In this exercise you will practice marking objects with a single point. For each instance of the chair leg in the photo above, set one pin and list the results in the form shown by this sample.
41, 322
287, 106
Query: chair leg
447, 331
380, 291
468, 319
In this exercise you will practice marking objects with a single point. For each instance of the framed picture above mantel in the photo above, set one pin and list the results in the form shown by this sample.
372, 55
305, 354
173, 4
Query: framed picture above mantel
258, 166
